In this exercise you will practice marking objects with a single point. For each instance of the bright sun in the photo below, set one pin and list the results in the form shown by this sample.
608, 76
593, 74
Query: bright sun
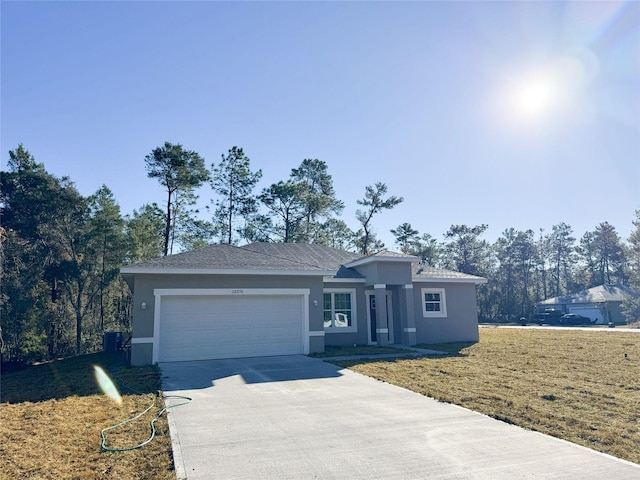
535, 97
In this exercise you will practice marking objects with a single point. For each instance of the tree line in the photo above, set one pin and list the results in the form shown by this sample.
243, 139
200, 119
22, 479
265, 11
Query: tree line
302, 208
61, 252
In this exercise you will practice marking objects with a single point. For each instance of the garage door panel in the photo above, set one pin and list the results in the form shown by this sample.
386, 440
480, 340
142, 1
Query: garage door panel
594, 313
202, 303
203, 327
238, 336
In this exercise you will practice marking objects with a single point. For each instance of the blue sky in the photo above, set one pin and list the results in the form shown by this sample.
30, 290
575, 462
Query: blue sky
513, 114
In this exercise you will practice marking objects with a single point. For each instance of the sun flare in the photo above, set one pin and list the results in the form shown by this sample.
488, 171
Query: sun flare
534, 97
106, 385
550, 91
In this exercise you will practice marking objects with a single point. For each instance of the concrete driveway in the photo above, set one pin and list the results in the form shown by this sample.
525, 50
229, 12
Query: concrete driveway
296, 417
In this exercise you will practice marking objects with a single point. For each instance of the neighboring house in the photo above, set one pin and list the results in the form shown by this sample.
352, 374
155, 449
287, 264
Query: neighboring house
264, 299
601, 304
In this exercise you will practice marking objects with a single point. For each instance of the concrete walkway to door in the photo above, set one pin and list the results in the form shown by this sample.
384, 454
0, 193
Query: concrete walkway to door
296, 417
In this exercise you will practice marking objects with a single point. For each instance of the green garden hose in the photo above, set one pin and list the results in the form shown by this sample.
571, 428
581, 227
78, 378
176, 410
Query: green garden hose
103, 442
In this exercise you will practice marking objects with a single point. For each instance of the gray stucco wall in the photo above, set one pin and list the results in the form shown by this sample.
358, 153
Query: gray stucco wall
461, 322
316, 344
387, 273
141, 354
460, 325
615, 309
398, 312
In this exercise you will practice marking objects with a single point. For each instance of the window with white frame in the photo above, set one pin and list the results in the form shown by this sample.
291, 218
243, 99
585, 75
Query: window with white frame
434, 302
339, 310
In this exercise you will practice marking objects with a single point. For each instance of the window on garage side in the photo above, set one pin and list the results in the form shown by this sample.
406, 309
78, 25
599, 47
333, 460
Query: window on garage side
433, 302
339, 310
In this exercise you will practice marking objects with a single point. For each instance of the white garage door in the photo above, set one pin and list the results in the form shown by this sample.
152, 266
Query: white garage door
593, 313
224, 326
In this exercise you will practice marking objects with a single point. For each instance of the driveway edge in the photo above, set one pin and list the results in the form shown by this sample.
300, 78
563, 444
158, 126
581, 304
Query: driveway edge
176, 447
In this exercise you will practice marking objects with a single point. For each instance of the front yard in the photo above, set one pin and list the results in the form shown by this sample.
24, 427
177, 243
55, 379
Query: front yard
581, 386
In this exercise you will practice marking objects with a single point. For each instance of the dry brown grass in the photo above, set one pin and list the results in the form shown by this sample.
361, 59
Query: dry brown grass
51, 417
571, 384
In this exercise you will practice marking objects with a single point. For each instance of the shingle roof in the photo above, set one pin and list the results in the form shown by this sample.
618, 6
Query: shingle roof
319, 255
382, 256
389, 253
286, 258
599, 294
254, 257
222, 257
323, 257
426, 273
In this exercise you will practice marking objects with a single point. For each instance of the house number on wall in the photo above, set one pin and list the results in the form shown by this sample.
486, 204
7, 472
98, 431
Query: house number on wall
237, 291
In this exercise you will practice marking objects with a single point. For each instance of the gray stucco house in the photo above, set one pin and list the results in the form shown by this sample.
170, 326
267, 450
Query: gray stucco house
263, 299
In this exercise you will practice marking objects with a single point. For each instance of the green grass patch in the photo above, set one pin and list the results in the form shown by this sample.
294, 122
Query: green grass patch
356, 350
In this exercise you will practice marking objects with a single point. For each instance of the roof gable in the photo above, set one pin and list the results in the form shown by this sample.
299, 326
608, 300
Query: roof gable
382, 256
425, 273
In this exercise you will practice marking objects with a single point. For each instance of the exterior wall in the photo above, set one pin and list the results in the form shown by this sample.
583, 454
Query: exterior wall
141, 354
316, 344
386, 272
360, 337
145, 284
461, 322
398, 312
615, 313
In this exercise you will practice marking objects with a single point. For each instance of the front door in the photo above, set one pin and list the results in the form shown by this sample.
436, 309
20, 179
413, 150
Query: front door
372, 316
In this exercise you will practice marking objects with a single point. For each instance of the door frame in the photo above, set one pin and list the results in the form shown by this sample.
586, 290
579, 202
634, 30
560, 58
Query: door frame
371, 293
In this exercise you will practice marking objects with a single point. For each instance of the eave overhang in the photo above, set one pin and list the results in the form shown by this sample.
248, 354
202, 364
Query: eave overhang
381, 259
219, 271
476, 281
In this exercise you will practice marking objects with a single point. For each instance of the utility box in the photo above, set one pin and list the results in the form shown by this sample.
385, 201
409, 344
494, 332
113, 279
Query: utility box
112, 342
